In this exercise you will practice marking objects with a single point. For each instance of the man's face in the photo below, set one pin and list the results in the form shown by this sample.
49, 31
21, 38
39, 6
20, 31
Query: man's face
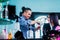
28, 14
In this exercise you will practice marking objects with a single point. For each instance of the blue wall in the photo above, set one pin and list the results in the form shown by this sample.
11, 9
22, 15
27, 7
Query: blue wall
37, 5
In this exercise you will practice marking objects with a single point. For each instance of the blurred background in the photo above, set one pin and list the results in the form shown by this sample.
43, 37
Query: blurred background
40, 10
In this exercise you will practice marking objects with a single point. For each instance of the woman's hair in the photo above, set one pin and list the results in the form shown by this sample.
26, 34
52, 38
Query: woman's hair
24, 9
54, 18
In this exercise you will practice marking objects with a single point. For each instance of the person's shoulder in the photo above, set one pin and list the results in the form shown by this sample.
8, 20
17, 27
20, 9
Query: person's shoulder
20, 17
46, 24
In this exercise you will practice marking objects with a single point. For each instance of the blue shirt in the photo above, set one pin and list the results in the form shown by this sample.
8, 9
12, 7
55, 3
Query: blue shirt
25, 25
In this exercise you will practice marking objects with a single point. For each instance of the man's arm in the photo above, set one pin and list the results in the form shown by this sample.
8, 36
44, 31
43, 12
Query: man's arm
33, 22
33, 28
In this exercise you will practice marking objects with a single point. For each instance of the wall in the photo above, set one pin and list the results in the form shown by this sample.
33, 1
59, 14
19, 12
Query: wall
37, 5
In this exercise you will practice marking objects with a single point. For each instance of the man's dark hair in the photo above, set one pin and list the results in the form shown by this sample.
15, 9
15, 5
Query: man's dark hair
19, 35
24, 9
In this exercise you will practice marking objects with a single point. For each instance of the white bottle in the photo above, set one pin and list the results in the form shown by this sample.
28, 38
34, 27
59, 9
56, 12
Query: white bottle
1, 10
29, 34
6, 12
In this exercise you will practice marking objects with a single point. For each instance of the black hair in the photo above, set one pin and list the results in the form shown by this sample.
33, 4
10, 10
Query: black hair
24, 9
19, 35
54, 18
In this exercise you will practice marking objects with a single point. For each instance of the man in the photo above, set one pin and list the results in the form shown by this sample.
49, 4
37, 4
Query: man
25, 22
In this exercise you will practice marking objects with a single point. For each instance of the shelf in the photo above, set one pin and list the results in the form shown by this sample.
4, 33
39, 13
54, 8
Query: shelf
3, 0
5, 21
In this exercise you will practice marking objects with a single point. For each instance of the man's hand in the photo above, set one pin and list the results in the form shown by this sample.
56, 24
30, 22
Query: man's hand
33, 22
37, 28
